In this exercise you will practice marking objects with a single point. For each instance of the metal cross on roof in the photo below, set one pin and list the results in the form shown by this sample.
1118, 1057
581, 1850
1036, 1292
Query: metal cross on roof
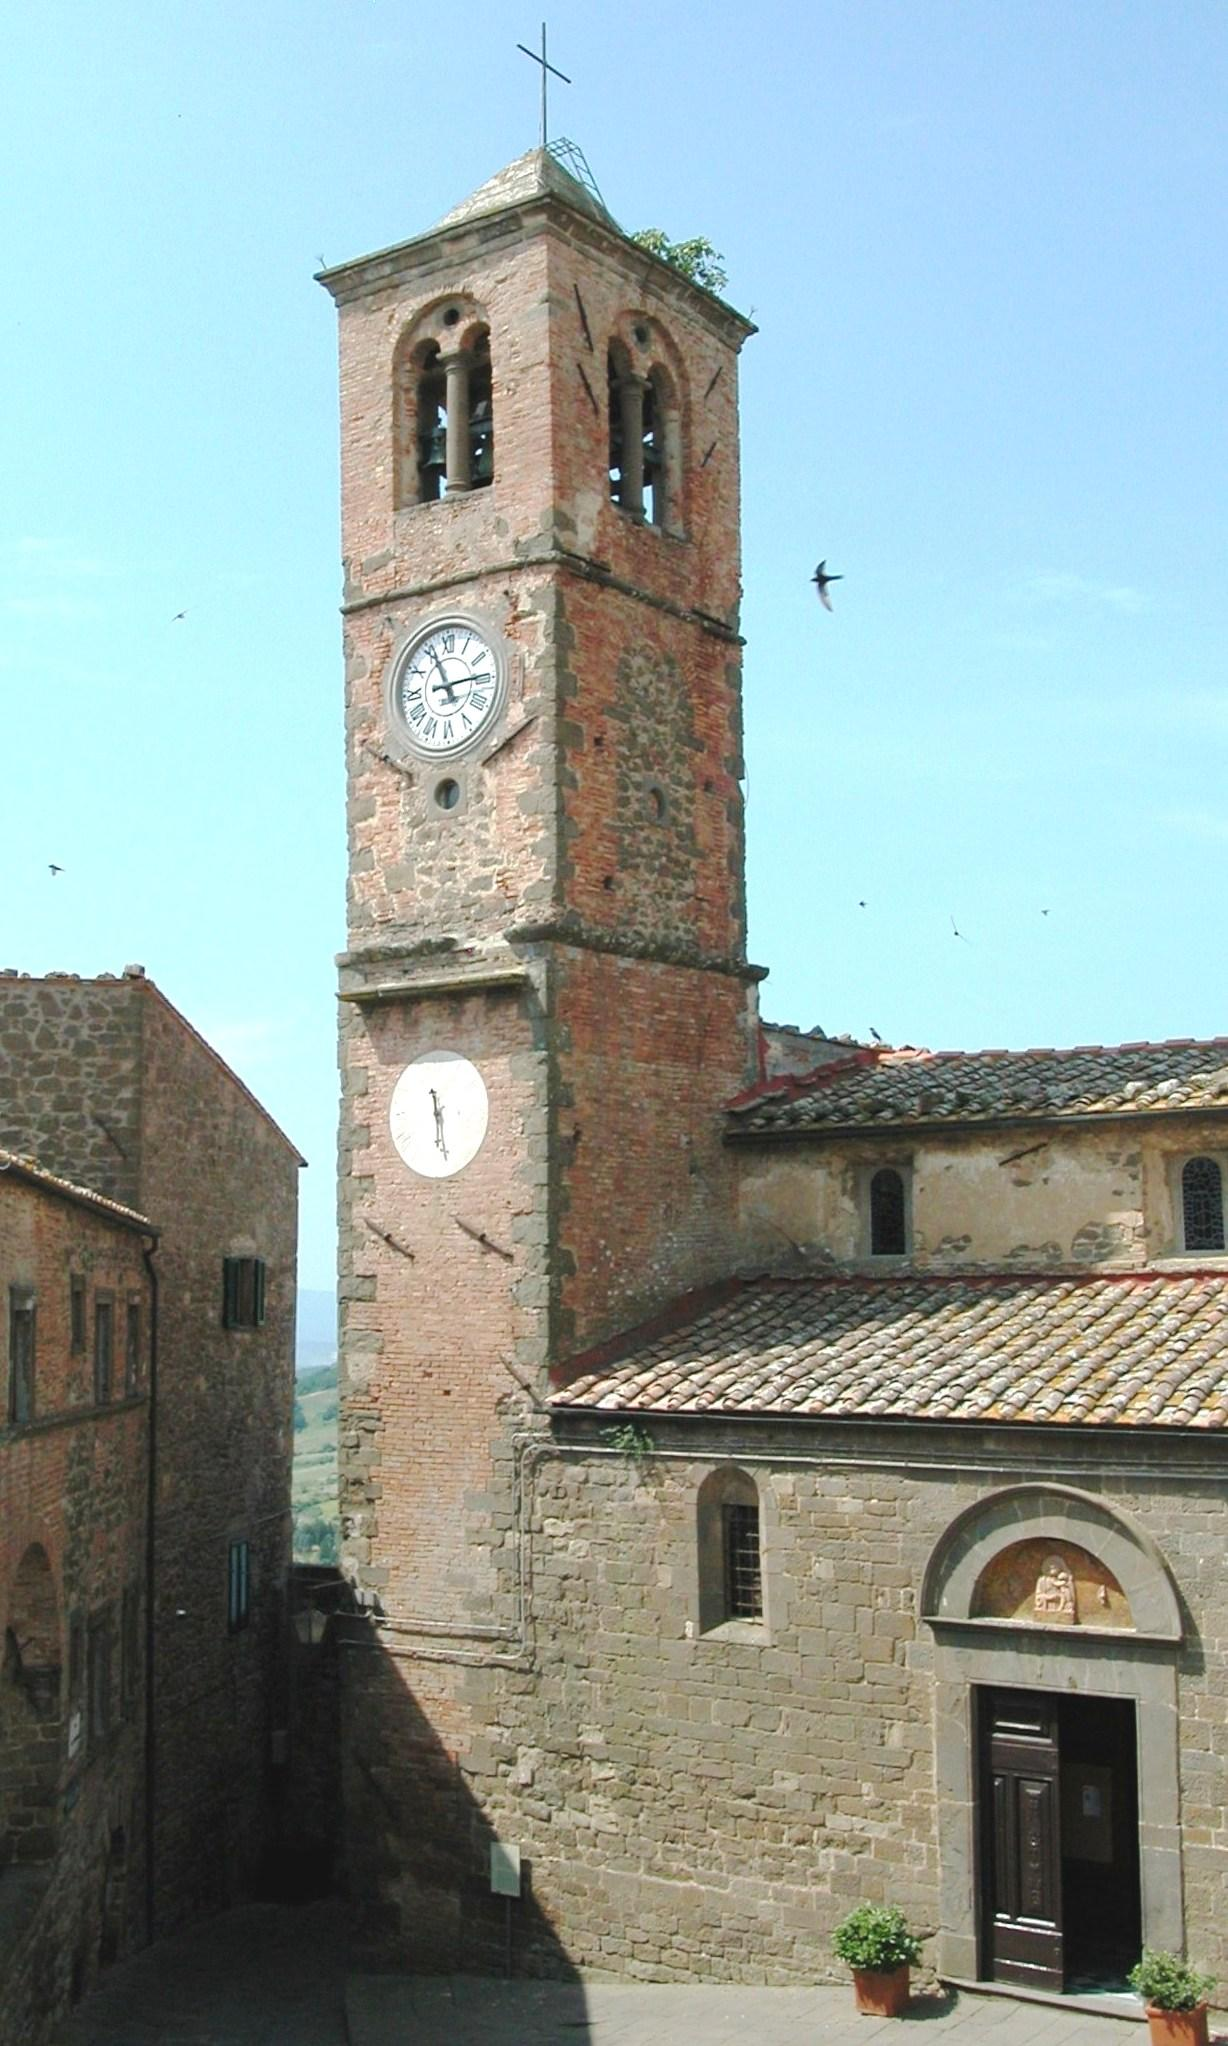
546, 68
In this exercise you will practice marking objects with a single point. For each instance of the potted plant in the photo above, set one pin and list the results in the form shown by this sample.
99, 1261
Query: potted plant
1175, 1996
877, 1945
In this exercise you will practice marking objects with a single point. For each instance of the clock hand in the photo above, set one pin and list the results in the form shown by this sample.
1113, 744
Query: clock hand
437, 1106
444, 683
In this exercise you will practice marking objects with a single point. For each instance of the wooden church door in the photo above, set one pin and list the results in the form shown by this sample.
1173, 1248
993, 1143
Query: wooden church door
1021, 1851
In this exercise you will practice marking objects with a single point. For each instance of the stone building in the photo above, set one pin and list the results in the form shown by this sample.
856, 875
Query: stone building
774, 1473
104, 1082
77, 1294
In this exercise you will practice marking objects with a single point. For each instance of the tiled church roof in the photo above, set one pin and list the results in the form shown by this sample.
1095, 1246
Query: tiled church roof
888, 1087
1141, 1350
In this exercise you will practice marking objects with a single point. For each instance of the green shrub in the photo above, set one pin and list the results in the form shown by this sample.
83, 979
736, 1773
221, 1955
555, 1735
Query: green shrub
1168, 1982
696, 259
876, 1936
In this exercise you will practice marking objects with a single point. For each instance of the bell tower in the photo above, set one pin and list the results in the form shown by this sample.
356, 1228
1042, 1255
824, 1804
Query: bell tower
545, 999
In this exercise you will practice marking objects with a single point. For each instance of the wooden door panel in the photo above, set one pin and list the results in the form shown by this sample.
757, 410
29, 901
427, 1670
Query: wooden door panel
1021, 1905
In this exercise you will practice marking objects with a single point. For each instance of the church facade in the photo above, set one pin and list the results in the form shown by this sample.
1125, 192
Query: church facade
774, 1473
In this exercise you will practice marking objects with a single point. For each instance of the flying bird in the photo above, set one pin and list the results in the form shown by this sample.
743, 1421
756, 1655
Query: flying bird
821, 579
959, 934
178, 615
53, 869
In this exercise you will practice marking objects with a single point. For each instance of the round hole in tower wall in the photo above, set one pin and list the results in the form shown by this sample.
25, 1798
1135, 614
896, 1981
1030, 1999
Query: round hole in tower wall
641, 336
451, 317
447, 794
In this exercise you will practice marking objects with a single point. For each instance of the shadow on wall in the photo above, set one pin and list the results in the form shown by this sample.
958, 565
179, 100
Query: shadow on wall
418, 1847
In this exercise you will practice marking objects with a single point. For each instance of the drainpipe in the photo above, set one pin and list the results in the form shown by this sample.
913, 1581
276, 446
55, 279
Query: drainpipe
151, 1504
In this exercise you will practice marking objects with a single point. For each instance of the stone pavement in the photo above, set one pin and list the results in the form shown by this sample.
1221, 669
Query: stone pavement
391, 2010
272, 1975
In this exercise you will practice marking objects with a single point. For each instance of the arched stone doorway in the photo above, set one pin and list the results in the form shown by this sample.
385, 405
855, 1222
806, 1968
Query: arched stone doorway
30, 1744
1056, 1628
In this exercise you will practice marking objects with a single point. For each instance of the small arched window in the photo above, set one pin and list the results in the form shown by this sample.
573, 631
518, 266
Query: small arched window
730, 1550
888, 1213
1202, 1204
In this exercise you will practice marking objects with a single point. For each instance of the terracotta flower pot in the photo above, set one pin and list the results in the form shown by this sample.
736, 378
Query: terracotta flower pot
1177, 2027
881, 1995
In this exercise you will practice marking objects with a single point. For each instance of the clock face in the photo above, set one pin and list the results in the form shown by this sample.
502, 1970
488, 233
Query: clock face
446, 688
438, 1114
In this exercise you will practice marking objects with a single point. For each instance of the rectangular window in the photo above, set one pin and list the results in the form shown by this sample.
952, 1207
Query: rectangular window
743, 1585
21, 1353
98, 1675
243, 1292
238, 1598
76, 1313
129, 1650
76, 1655
104, 1349
132, 1349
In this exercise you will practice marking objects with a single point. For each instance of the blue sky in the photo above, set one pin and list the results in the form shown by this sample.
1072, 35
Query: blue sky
984, 246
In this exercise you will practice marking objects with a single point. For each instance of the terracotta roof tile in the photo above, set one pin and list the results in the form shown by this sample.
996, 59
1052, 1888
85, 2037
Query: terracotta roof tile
1129, 1350
37, 1175
892, 1087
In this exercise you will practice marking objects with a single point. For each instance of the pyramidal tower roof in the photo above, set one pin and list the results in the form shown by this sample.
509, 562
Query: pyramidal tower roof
536, 175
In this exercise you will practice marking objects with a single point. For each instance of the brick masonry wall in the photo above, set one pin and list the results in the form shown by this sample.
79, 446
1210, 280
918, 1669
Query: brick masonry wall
105, 1075
597, 849
72, 1544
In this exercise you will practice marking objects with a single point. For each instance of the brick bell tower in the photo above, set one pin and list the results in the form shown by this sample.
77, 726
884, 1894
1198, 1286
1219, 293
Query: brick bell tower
545, 1000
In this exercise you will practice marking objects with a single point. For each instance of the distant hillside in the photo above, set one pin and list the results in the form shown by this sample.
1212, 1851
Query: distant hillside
316, 1344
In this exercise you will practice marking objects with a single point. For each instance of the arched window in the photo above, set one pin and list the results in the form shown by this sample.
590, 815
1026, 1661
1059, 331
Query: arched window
644, 435
1202, 1204
618, 372
730, 1550
431, 424
443, 409
481, 426
888, 1213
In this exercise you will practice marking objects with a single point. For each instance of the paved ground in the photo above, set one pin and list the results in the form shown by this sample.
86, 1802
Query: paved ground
272, 1976
262, 1976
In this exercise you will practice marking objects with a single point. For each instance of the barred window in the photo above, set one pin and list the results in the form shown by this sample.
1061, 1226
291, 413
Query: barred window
21, 1353
76, 1313
743, 1585
888, 1218
730, 1555
238, 1595
104, 1350
1202, 1204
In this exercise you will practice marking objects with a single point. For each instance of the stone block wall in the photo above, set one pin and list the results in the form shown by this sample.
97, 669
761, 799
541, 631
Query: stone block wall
1022, 1198
698, 1806
226, 1181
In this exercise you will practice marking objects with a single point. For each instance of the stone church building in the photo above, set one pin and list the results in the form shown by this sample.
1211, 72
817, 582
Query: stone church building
775, 1472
